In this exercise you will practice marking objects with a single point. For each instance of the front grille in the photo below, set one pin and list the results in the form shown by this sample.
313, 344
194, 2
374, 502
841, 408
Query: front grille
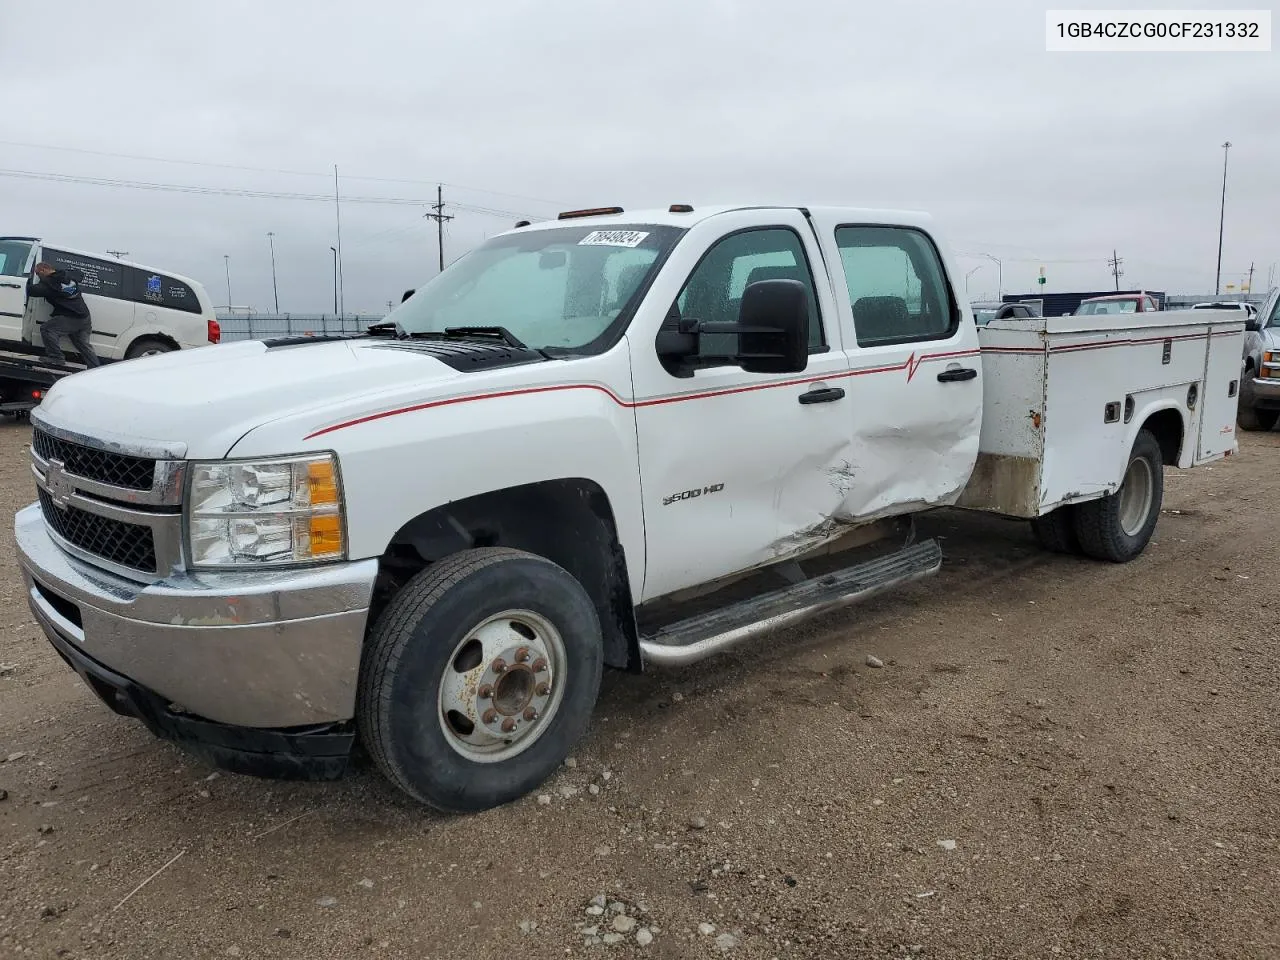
116, 469
124, 544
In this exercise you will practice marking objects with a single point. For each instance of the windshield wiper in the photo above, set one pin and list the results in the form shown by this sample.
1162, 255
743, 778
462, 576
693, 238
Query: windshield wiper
480, 332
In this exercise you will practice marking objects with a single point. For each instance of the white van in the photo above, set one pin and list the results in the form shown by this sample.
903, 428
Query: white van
136, 310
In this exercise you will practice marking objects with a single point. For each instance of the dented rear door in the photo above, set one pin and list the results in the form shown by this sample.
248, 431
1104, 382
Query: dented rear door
915, 379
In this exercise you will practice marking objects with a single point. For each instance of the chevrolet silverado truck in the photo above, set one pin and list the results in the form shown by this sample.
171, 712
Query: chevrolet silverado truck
1260, 378
607, 440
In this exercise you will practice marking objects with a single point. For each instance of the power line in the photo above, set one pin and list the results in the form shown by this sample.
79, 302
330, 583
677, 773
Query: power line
243, 193
278, 170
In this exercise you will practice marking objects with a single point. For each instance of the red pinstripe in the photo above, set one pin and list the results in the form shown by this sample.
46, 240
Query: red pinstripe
911, 364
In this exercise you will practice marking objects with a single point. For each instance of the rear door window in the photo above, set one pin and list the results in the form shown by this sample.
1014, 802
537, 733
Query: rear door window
99, 277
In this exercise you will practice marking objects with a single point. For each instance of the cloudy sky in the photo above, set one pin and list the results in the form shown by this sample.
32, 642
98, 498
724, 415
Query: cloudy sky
526, 108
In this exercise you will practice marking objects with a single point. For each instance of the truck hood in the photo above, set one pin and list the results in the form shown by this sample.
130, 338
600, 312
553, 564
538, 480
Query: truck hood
208, 398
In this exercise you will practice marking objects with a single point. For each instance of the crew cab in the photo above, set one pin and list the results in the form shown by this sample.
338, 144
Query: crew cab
609, 440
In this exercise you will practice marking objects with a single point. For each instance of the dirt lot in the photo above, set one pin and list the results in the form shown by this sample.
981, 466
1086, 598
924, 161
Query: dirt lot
1059, 758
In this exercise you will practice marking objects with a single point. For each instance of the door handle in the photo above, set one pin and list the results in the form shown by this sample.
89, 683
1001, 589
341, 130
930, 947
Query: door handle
822, 395
956, 375
12, 286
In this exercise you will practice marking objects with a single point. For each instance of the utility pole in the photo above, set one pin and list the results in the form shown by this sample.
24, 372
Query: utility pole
334, 251
341, 309
119, 254
226, 260
1249, 286
439, 217
275, 290
1114, 264
1222, 216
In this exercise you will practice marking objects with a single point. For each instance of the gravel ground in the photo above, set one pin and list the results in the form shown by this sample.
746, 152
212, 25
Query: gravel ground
1056, 758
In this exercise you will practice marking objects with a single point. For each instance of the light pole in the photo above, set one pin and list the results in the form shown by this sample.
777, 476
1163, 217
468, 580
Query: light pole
1222, 216
226, 262
275, 290
999, 275
966, 279
335, 279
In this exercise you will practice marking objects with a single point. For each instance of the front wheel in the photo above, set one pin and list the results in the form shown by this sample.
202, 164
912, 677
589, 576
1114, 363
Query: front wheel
1251, 418
479, 678
1119, 527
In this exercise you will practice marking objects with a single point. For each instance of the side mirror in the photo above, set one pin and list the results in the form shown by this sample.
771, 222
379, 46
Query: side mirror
1253, 325
772, 330
407, 295
773, 327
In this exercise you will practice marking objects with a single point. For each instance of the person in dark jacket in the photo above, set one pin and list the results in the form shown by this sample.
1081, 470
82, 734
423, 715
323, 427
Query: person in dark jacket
69, 317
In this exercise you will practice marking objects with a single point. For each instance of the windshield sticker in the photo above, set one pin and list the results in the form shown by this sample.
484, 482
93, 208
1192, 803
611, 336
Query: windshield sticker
613, 238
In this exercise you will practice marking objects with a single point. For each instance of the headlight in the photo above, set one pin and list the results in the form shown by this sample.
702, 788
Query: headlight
250, 513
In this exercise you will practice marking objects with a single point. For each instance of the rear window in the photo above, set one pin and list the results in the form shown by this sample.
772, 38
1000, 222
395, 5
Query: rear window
149, 286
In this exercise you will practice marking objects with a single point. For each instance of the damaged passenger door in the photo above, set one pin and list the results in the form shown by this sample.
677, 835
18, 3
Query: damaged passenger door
915, 388
738, 468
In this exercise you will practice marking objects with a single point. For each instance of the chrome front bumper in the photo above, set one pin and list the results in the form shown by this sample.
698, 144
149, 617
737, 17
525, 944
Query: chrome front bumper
1262, 391
265, 649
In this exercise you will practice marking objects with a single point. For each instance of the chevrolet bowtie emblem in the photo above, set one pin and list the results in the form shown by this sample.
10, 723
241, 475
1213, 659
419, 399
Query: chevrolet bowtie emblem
58, 484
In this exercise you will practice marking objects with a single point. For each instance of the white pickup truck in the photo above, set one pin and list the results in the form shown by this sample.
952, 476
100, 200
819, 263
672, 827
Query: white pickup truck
605, 440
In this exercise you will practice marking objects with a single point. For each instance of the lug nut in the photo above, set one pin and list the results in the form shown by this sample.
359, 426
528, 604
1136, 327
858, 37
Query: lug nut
531, 714
508, 725
543, 689
485, 692
540, 665
490, 715
499, 665
522, 655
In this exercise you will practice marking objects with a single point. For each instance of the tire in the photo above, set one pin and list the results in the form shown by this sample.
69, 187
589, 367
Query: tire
1119, 527
1056, 531
432, 657
147, 347
1251, 418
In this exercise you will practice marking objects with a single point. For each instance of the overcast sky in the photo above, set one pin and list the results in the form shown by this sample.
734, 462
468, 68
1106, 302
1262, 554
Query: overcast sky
527, 107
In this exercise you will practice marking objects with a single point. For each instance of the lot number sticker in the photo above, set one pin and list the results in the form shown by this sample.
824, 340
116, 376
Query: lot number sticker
613, 238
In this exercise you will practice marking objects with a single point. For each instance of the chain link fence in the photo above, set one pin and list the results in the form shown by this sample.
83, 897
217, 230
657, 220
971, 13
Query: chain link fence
266, 326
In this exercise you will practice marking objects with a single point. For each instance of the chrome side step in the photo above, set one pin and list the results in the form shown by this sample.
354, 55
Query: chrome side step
701, 636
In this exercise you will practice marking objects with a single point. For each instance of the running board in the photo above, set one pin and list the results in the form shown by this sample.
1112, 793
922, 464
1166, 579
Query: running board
698, 637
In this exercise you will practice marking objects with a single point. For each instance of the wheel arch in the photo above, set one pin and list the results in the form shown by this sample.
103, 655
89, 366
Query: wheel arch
148, 335
1167, 423
568, 521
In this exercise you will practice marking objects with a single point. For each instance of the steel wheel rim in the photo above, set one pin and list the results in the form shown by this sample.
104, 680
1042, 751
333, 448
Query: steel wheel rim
1136, 495
502, 686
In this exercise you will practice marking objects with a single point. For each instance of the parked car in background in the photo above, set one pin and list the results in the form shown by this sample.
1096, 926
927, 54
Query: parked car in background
137, 311
987, 310
1248, 308
1121, 303
1260, 383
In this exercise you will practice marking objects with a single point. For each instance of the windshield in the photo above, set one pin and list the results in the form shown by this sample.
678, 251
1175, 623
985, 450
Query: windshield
560, 288
13, 257
1275, 314
1096, 307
